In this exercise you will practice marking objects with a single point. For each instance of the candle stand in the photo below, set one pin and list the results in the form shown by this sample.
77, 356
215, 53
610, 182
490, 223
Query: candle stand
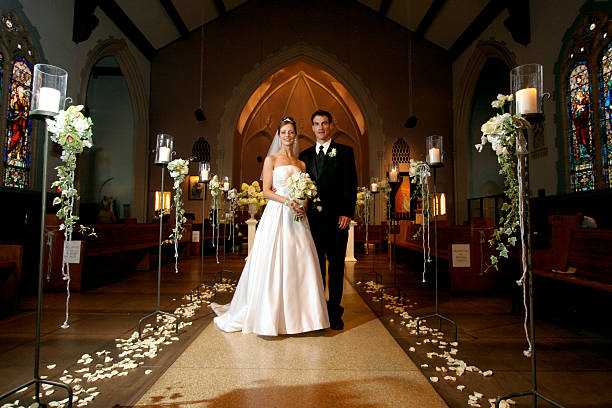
437, 314
196, 290
158, 311
393, 230
223, 269
377, 276
526, 260
48, 90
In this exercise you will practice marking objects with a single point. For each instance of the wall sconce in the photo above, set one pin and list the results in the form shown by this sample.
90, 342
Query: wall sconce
167, 197
439, 204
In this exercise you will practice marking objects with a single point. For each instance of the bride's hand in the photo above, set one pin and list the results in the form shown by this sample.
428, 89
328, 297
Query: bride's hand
298, 209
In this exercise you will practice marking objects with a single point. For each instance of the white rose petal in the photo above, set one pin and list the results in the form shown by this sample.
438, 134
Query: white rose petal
433, 379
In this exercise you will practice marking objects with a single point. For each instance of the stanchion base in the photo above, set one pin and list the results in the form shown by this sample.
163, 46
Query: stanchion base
41, 381
155, 313
535, 394
440, 318
220, 274
197, 290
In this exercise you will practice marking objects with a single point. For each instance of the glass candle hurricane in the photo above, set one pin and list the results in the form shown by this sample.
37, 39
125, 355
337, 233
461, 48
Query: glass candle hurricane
526, 86
48, 90
435, 152
163, 148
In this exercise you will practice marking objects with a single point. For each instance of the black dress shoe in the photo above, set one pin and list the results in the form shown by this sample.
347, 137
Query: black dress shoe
337, 324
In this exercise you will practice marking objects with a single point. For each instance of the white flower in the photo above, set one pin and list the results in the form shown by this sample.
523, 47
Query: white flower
332, 153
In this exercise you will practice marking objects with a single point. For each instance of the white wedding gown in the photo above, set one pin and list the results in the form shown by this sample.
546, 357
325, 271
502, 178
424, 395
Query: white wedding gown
280, 290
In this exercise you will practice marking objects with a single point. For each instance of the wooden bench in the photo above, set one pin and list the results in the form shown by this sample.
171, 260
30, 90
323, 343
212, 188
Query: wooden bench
10, 278
117, 249
586, 250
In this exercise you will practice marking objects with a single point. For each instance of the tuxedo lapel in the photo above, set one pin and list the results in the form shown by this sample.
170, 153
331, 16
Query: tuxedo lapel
311, 163
327, 161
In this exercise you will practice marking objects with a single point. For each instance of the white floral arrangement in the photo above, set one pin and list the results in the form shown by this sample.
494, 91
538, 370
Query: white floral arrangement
301, 188
178, 169
73, 132
419, 173
232, 197
501, 131
362, 204
332, 152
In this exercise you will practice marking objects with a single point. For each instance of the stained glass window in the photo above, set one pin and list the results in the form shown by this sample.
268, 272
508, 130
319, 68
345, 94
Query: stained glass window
17, 147
605, 88
582, 157
9, 23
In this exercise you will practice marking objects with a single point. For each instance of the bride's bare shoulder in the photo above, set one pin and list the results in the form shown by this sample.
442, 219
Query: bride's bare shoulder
302, 165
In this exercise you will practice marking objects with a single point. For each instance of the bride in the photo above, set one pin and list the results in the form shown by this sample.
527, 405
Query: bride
280, 290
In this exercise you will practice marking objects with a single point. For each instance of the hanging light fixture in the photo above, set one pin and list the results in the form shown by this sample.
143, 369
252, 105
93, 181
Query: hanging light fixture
412, 120
199, 113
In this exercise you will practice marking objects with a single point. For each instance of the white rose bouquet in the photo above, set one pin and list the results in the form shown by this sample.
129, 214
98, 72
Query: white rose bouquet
302, 188
178, 169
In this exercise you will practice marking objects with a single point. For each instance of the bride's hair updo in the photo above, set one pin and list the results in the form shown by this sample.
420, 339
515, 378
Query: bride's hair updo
286, 120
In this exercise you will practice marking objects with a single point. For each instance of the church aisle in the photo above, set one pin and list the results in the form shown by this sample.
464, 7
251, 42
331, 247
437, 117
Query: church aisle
361, 366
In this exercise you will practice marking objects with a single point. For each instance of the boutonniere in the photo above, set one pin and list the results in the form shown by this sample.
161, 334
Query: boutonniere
332, 153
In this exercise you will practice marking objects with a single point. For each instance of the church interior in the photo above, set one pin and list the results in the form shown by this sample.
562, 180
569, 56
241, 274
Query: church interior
482, 136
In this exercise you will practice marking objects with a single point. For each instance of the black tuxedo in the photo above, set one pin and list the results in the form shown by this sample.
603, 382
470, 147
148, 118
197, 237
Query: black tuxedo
336, 180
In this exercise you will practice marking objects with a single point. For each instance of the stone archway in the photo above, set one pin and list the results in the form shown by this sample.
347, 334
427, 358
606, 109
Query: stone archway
332, 64
483, 52
140, 106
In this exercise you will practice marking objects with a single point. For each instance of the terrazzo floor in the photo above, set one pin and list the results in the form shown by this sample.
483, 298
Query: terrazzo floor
361, 366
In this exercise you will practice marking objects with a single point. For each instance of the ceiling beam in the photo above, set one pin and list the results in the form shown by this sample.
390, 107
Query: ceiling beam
175, 17
384, 8
220, 8
127, 27
429, 17
480, 23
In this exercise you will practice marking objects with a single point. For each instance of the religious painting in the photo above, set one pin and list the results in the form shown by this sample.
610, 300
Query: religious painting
18, 139
402, 200
582, 154
605, 88
196, 189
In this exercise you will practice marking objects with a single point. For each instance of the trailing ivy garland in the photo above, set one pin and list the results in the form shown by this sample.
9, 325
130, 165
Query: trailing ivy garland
419, 174
501, 131
178, 169
72, 131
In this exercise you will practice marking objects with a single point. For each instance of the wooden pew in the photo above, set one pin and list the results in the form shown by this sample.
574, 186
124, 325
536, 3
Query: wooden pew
117, 249
585, 250
10, 278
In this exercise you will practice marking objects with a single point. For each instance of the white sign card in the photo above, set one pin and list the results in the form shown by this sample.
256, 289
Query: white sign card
195, 236
72, 252
461, 255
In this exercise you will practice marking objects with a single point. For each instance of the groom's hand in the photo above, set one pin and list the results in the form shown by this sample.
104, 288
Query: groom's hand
343, 222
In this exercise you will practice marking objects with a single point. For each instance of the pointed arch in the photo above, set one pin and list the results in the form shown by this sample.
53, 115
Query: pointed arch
140, 107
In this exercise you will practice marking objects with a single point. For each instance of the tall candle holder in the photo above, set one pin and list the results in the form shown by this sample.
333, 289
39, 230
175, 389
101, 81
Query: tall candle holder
393, 230
225, 186
163, 155
525, 82
204, 177
435, 157
48, 94
374, 191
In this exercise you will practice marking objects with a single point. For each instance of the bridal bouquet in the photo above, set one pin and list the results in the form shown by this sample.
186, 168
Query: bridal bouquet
302, 188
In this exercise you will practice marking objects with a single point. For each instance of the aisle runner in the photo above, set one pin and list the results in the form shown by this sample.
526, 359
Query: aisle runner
361, 366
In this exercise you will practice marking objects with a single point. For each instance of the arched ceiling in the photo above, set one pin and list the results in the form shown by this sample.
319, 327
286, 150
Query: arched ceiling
451, 24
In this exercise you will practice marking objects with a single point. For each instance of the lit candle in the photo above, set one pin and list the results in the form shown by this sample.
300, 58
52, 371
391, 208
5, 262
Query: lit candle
49, 99
374, 187
226, 185
434, 155
163, 155
527, 100
204, 175
393, 175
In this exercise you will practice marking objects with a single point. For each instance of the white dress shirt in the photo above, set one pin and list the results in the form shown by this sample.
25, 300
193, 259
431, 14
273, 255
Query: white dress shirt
325, 146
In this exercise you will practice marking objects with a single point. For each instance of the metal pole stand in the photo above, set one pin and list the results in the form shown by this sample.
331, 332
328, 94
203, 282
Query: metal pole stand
522, 173
202, 284
393, 230
41, 254
377, 276
437, 312
220, 273
159, 262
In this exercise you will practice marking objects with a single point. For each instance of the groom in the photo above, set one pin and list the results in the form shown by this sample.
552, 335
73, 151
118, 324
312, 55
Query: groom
332, 167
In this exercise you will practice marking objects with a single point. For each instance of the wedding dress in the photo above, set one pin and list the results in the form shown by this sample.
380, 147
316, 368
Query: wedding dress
280, 290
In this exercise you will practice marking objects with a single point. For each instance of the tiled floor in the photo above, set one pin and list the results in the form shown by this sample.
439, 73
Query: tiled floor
573, 346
